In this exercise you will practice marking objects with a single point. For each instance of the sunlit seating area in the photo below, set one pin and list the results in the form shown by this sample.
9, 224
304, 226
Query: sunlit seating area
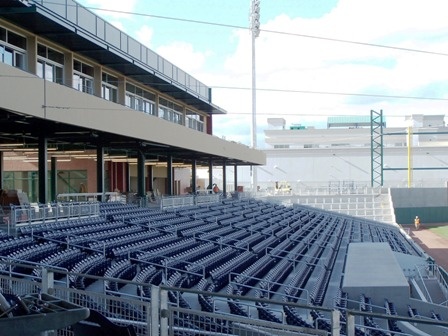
242, 249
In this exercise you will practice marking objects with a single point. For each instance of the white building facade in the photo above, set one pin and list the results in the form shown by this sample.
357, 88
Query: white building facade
339, 157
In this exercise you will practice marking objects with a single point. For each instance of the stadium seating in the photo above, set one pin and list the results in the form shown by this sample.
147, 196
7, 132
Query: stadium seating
245, 247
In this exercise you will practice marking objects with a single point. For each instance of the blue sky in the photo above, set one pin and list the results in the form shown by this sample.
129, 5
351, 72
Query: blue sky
291, 66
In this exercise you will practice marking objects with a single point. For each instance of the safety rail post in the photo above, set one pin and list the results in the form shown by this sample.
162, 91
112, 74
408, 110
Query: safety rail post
155, 308
47, 280
164, 312
335, 323
350, 324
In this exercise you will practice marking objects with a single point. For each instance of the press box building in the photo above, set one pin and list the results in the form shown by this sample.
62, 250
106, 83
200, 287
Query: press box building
86, 108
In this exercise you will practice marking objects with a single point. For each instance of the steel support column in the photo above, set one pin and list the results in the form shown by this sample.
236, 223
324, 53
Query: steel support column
210, 173
224, 178
1, 169
141, 174
53, 178
169, 175
100, 170
43, 169
235, 177
193, 177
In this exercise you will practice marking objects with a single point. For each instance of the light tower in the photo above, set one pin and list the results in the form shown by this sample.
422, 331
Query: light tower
255, 32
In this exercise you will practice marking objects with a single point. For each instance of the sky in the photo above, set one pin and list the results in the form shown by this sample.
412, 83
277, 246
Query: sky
313, 58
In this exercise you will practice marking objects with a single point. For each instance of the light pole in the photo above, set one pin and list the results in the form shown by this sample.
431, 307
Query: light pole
255, 32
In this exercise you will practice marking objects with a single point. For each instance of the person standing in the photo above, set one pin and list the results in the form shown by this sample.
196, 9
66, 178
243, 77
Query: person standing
417, 222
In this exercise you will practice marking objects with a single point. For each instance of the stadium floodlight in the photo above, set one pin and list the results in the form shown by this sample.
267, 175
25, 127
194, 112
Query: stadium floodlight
255, 18
255, 32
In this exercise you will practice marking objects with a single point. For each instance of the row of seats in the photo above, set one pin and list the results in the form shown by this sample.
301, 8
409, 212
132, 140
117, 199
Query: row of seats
60, 225
211, 261
279, 239
114, 241
157, 254
83, 266
11, 244
101, 235
63, 259
220, 274
199, 229
115, 270
80, 230
182, 259
150, 240
149, 218
33, 253
249, 276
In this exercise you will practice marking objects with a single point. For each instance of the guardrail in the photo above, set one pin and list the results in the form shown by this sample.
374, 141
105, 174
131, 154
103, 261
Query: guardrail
29, 214
169, 202
156, 315
91, 197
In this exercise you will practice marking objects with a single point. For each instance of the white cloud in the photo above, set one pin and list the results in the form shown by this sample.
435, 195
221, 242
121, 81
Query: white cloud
287, 62
144, 35
184, 56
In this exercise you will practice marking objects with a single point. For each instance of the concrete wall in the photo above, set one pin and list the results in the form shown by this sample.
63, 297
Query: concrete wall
62, 104
372, 269
430, 204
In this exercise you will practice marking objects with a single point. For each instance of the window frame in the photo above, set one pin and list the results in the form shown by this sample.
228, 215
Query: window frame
109, 84
46, 64
83, 78
136, 100
16, 50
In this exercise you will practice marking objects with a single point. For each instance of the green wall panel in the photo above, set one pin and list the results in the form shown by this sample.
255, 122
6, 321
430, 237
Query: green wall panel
426, 214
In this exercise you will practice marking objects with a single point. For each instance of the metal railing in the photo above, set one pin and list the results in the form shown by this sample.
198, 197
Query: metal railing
30, 214
168, 202
91, 197
158, 315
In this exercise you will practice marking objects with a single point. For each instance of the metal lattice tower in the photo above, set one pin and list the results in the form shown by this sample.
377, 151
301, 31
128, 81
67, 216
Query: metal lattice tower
376, 146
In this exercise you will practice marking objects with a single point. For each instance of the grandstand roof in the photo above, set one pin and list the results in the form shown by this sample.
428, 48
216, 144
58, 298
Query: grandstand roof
80, 30
95, 121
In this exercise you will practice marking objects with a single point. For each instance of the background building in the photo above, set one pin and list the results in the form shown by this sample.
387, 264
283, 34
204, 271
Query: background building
339, 156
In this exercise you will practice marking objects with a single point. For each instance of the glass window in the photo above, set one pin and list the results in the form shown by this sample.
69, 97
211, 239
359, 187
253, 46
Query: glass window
55, 56
82, 77
50, 64
83, 68
6, 55
50, 72
109, 87
16, 40
19, 60
69, 181
41, 50
170, 111
72, 181
195, 121
109, 79
12, 48
2, 34
139, 99
110, 93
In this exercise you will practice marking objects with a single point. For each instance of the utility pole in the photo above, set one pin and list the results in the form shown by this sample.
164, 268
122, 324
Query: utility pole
255, 32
